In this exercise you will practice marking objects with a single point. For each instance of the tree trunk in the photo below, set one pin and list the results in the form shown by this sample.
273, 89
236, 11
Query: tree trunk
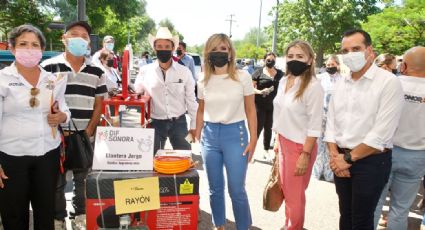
319, 57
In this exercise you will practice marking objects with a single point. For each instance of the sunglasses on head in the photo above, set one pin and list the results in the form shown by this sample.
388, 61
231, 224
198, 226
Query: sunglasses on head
34, 102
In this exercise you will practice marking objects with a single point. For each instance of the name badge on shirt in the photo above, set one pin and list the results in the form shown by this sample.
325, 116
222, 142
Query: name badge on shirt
16, 84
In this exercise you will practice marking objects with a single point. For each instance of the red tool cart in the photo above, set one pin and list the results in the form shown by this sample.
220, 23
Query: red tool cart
125, 98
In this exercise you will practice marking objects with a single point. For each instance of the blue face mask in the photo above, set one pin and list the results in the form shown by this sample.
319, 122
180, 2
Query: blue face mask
77, 46
109, 46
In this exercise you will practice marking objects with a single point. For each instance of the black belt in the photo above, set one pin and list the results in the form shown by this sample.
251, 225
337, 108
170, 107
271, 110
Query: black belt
347, 150
170, 119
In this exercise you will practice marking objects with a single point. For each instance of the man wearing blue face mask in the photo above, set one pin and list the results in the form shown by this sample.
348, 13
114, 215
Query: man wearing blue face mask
363, 115
84, 95
108, 44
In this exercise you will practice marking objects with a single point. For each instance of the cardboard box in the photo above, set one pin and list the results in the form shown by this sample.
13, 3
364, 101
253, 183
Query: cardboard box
179, 197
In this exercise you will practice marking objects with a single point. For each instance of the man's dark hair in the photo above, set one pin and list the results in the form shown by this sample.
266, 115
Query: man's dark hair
268, 54
183, 44
367, 40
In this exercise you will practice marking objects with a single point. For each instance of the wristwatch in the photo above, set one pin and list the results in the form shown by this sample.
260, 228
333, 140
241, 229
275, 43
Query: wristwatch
347, 158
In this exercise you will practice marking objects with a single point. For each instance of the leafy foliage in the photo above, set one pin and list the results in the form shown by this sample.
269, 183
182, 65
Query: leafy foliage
398, 28
247, 47
320, 22
18, 12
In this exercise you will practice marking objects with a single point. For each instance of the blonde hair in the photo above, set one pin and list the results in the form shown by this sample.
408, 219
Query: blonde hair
309, 73
212, 42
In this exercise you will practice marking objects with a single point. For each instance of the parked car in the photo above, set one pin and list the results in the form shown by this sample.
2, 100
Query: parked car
198, 63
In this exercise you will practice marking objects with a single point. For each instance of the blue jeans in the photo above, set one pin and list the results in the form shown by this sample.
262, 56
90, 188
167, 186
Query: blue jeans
223, 145
175, 129
405, 179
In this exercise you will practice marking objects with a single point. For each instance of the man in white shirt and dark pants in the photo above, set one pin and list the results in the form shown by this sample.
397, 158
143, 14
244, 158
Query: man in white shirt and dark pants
408, 163
363, 115
172, 90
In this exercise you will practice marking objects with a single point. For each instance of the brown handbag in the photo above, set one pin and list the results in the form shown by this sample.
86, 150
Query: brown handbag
273, 195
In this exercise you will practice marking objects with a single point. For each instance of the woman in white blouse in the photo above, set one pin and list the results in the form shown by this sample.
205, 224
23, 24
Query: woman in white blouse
32, 105
226, 99
113, 79
297, 119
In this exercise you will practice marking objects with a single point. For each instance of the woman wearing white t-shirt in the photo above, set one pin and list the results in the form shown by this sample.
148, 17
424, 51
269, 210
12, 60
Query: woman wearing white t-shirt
297, 119
226, 99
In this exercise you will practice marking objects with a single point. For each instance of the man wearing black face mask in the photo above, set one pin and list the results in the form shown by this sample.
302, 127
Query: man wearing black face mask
172, 90
186, 59
328, 79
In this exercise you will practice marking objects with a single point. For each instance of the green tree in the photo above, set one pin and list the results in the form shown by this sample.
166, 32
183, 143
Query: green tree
248, 50
167, 23
398, 28
247, 47
251, 37
199, 49
125, 22
18, 12
320, 22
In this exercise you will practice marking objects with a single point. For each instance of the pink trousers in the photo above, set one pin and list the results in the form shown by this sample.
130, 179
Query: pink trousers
294, 186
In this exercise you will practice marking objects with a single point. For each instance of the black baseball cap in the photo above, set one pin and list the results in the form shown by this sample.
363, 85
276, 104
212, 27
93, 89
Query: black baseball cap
83, 24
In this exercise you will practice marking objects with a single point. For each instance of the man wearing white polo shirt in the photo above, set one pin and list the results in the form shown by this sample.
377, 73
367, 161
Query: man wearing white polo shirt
363, 115
408, 163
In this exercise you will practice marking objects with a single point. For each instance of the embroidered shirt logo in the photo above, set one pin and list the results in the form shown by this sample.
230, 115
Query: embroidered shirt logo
16, 84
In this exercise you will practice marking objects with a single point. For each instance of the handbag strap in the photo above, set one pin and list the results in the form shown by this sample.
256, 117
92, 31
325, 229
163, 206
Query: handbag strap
73, 123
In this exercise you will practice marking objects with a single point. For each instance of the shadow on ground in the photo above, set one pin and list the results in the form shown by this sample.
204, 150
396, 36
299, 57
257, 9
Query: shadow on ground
206, 223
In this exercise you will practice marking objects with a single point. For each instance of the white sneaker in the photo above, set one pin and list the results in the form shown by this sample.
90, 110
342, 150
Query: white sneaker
79, 223
60, 225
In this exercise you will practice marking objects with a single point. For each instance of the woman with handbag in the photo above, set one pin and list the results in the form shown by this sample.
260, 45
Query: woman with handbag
32, 106
297, 118
226, 99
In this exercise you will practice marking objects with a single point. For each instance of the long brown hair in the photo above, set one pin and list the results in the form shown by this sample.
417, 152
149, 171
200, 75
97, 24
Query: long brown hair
309, 73
213, 42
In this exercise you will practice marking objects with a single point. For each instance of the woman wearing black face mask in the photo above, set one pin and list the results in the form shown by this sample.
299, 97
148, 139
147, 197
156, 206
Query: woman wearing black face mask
328, 80
266, 81
113, 79
297, 120
226, 99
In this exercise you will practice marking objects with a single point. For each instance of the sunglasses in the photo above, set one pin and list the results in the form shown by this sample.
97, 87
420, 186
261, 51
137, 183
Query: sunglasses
34, 102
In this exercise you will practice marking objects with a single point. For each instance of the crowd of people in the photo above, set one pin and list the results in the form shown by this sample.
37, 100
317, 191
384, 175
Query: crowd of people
363, 130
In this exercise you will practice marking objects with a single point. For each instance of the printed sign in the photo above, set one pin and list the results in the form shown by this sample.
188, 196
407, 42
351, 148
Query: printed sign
119, 148
186, 187
136, 195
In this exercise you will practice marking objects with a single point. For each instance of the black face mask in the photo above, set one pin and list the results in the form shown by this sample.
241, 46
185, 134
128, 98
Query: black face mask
270, 63
331, 70
164, 55
179, 52
110, 62
297, 67
394, 71
218, 59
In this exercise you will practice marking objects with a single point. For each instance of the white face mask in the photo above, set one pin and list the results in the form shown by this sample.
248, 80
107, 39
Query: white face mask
354, 60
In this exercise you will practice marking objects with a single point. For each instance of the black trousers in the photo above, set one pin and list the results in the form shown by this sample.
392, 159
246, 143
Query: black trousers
359, 194
32, 179
265, 121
